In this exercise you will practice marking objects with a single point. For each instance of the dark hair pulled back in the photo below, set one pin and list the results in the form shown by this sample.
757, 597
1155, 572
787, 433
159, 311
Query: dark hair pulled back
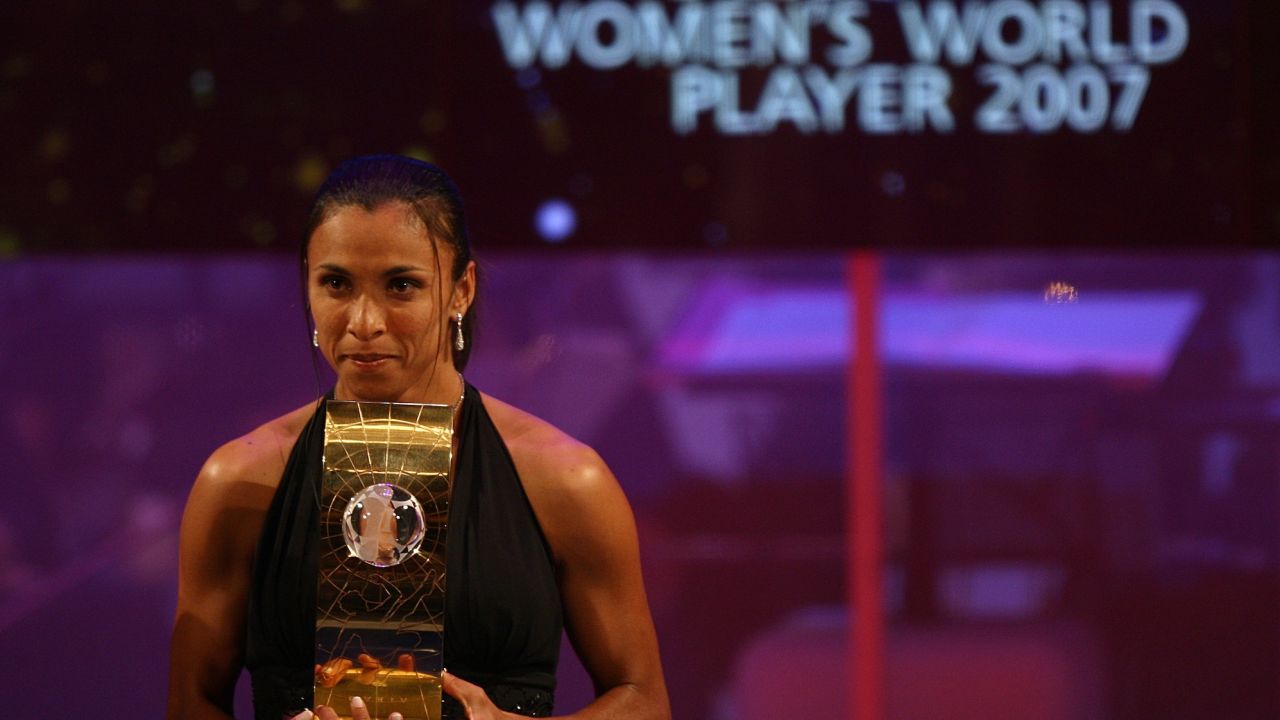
371, 181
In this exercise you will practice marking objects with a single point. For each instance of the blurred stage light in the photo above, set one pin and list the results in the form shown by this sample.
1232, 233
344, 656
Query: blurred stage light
538, 101
893, 183
1059, 293
555, 220
695, 176
528, 78
202, 85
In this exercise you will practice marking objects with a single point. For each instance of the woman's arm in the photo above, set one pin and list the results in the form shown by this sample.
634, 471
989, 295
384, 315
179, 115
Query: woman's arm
592, 532
606, 610
219, 527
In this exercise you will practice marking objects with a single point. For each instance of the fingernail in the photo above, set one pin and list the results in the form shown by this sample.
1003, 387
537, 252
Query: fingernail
395, 716
357, 703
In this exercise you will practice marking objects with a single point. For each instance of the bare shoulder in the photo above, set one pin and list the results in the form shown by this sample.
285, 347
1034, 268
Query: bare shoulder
225, 511
568, 484
545, 454
256, 458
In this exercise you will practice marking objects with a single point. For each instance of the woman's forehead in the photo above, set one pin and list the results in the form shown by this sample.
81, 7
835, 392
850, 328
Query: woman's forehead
397, 217
391, 232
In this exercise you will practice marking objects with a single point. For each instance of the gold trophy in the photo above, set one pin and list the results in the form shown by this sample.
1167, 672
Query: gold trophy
384, 513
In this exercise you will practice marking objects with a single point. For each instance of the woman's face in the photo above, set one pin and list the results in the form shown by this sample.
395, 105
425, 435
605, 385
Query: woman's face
382, 300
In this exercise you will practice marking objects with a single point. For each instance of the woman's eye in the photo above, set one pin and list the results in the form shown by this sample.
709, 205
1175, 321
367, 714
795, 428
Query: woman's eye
333, 282
401, 285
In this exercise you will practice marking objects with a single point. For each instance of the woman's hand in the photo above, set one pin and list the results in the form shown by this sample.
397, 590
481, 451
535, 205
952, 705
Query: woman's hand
358, 712
473, 699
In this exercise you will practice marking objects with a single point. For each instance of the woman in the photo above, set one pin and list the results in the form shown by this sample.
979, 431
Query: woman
539, 530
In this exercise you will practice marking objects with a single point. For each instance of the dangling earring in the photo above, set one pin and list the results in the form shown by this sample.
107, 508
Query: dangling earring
315, 338
459, 342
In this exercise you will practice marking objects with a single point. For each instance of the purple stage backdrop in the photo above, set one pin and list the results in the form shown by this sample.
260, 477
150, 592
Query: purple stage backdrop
1081, 447
1082, 497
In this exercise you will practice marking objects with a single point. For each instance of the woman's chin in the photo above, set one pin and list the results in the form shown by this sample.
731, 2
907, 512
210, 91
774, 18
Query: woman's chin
370, 389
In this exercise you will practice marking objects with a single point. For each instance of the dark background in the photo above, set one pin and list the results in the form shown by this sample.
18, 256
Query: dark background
143, 125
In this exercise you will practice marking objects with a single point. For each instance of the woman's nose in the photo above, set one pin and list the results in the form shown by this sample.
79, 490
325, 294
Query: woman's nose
368, 318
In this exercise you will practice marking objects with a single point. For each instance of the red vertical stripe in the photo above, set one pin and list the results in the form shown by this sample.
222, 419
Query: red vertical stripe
863, 527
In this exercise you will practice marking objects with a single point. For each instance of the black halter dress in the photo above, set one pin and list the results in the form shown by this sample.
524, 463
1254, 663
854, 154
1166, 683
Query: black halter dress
503, 618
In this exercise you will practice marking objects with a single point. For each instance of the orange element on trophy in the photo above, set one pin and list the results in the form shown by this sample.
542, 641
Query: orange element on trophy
333, 671
370, 666
329, 674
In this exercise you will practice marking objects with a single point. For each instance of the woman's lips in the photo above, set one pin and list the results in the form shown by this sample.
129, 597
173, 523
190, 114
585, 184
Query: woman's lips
368, 361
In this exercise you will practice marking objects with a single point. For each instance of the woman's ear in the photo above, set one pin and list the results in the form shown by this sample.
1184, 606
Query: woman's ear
464, 290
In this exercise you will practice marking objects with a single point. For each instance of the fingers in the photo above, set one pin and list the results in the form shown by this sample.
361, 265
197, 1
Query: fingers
458, 688
358, 709
473, 698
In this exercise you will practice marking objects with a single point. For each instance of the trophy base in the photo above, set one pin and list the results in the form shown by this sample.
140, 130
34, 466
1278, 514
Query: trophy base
415, 695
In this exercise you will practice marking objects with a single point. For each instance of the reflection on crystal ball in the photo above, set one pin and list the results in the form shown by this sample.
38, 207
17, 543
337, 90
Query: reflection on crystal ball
383, 525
